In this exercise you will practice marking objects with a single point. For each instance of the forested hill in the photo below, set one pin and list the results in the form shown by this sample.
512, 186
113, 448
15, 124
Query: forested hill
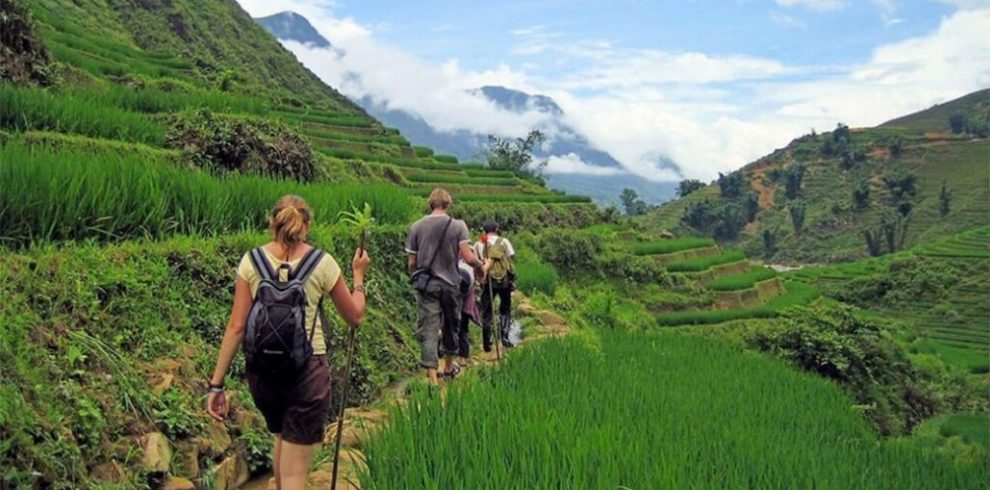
851, 192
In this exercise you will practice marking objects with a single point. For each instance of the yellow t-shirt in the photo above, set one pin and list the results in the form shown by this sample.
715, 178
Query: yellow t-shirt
318, 285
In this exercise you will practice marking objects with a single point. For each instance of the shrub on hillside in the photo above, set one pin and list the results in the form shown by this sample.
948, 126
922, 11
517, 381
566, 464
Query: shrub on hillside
23, 58
223, 144
571, 252
860, 355
906, 281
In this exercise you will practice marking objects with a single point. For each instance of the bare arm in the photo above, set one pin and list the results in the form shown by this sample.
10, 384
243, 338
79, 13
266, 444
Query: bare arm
467, 253
350, 304
232, 337
411, 264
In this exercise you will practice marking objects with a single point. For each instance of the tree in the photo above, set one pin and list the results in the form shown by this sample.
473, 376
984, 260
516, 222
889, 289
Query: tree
896, 146
861, 194
797, 210
769, 244
699, 215
632, 203
688, 186
957, 122
944, 200
902, 186
730, 185
752, 207
516, 154
793, 180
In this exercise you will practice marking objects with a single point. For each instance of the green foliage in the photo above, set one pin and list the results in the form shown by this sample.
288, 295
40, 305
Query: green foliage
769, 243
797, 294
23, 58
744, 280
630, 415
525, 198
515, 155
423, 152
793, 178
670, 246
224, 144
571, 252
533, 216
944, 200
631, 202
534, 276
731, 185
686, 187
66, 194
446, 159
861, 193
797, 210
860, 355
26, 108
703, 263
905, 281
88, 329
398, 161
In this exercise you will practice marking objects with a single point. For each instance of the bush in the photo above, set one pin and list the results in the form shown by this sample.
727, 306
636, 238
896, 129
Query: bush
446, 159
860, 355
224, 144
906, 281
571, 252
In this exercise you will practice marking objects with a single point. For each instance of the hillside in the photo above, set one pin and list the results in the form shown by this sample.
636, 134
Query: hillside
887, 181
141, 152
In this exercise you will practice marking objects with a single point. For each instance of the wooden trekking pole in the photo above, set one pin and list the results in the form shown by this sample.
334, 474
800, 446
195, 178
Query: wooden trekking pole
351, 336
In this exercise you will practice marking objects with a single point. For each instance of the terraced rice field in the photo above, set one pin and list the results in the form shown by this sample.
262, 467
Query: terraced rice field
653, 410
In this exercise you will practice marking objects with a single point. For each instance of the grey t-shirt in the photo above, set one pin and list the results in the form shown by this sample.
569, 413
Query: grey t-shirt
426, 238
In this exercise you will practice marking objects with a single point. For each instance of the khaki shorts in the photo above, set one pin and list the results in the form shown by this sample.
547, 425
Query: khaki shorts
295, 408
438, 325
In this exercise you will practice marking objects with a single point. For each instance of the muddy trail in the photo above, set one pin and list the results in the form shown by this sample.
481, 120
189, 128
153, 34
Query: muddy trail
360, 423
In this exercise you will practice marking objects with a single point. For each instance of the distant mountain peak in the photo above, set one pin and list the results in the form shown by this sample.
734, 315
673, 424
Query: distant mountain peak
519, 101
290, 26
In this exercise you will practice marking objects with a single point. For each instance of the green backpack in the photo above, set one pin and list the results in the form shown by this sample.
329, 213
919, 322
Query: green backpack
502, 271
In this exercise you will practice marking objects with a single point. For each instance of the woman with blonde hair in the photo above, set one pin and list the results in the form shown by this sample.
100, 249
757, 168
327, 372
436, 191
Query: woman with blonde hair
277, 300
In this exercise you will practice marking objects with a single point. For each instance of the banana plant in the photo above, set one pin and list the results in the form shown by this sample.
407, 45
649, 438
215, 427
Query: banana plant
360, 220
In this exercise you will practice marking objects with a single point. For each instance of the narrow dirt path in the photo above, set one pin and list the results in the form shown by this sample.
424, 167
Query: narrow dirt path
362, 422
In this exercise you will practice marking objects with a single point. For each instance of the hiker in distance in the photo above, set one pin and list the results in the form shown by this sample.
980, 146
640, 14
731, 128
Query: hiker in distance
434, 244
278, 298
499, 254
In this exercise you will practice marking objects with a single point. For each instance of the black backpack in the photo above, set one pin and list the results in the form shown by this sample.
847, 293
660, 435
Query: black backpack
276, 341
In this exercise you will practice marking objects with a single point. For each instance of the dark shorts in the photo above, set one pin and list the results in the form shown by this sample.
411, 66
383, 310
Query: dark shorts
295, 408
438, 324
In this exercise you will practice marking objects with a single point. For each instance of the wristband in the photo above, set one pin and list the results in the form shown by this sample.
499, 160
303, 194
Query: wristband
212, 388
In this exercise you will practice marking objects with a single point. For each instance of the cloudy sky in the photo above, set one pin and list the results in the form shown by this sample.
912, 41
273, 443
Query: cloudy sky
710, 84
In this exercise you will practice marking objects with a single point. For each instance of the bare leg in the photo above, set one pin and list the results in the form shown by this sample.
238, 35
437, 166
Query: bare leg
295, 464
431, 374
278, 454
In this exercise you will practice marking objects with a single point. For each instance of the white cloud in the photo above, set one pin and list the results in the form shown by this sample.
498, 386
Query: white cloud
968, 4
787, 21
708, 113
572, 164
819, 5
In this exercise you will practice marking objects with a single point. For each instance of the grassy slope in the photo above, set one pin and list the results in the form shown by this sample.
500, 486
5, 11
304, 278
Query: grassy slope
833, 228
648, 410
936, 118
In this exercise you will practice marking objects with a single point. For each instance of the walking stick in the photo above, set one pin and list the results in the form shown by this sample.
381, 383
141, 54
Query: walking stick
351, 335
491, 302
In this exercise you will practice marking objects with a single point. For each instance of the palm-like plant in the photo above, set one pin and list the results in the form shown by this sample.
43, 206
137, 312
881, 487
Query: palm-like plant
360, 220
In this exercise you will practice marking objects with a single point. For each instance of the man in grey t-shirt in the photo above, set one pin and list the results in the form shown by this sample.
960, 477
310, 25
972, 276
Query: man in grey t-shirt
436, 241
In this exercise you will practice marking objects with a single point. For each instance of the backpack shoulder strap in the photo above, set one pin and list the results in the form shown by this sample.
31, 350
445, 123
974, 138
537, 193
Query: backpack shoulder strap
307, 265
261, 264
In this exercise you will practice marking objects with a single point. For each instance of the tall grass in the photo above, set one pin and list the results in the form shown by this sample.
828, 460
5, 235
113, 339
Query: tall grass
541, 198
51, 194
798, 293
150, 100
24, 108
644, 411
703, 263
744, 280
535, 276
670, 246
485, 172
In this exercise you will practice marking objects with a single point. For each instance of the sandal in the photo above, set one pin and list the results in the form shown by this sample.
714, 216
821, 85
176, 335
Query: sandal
453, 372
